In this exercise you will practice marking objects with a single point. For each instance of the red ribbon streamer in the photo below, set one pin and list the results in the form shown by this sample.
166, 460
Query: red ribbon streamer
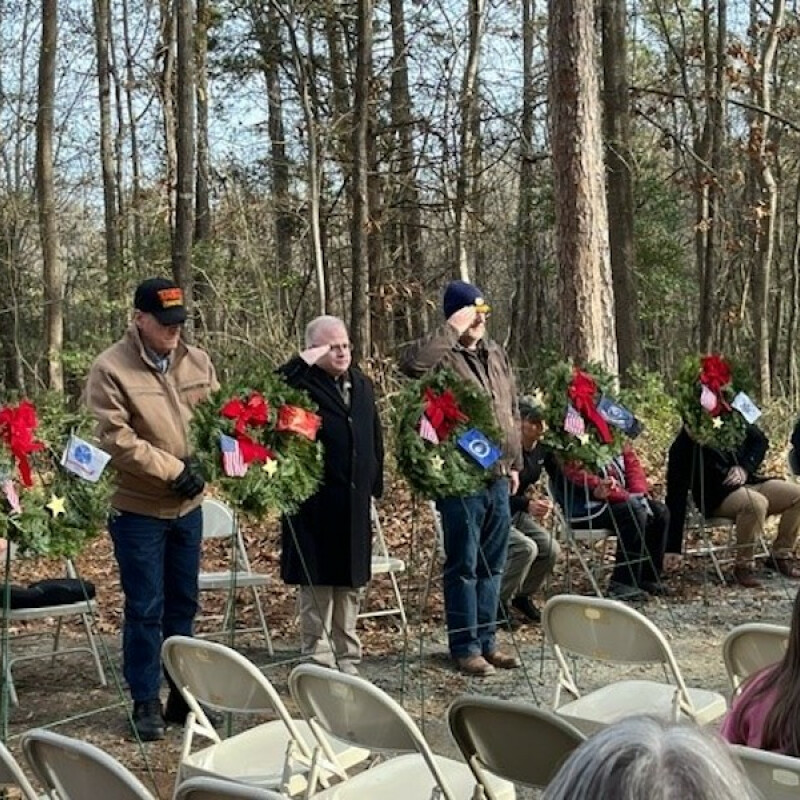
17, 425
581, 392
443, 412
716, 374
254, 412
294, 419
253, 451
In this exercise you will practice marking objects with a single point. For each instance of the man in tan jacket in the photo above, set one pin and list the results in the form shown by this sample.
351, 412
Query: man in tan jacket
142, 391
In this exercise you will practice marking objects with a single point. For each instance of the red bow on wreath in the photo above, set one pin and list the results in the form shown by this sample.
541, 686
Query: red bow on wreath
443, 412
715, 373
254, 412
581, 392
17, 425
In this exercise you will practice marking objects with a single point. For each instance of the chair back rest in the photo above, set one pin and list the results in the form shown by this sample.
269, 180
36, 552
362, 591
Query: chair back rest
11, 774
219, 520
216, 676
751, 647
205, 788
75, 770
605, 630
498, 735
358, 712
775, 776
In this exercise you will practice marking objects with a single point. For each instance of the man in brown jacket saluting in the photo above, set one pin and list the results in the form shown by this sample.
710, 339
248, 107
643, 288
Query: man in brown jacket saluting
476, 528
141, 391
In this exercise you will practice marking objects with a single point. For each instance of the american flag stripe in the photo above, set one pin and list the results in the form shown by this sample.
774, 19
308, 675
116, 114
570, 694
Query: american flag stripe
573, 422
232, 462
427, 431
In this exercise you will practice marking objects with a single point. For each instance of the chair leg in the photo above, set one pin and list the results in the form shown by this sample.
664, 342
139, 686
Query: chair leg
98, 662
398, 598
262, 620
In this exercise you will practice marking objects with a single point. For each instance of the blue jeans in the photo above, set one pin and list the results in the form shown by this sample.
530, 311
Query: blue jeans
476, 532
159, 560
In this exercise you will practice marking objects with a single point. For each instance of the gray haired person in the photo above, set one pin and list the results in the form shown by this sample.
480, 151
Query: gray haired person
644, 758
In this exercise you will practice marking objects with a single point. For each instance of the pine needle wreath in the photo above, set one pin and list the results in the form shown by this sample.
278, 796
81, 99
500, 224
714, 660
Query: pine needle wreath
287, 466
443, 469
723, 428
588, 448
60, 513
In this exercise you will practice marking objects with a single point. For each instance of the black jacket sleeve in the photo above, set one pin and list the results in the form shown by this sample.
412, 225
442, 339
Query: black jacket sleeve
679, 468
753, 449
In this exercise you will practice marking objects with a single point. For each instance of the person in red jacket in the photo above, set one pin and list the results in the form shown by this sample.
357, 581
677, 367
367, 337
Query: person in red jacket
618, 497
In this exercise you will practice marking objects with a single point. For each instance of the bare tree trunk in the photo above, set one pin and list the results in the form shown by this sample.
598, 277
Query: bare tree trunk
580, 202
107, 163
45, 195
166, 85
202, 213
468, 100
184, 204
765, 202
521, 337
619, 191
794, 301
360, 329
266, 26
135, 158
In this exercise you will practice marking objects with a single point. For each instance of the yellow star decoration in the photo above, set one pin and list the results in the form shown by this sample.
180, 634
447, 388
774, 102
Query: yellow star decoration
270, 466
717, 422
584, 438
437, 462
56, 505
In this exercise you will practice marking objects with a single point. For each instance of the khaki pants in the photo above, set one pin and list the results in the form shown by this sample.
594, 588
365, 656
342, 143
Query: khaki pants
328, 617
750, 505
532, 554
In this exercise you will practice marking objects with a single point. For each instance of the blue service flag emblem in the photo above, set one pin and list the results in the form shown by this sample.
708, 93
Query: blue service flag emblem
477, 446
616, 414
84, 459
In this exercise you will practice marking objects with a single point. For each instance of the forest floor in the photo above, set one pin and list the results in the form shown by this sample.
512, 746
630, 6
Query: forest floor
414, 668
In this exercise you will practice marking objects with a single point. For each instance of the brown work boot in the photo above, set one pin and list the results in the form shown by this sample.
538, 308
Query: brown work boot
474, 665
502, 660
745, 576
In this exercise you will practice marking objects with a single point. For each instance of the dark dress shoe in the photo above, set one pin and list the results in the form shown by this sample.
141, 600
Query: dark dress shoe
526, 607
655, 588
786, 566
177, 709
148, 724
745, 575
505, 619
626, 592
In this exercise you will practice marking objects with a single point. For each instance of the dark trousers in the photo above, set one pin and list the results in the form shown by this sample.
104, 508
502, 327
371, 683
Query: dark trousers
641, 538
159, 560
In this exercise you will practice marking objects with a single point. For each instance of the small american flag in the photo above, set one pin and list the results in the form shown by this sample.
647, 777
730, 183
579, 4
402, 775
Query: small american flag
11, 495
427, 431
708, 400
232, 462
573, 422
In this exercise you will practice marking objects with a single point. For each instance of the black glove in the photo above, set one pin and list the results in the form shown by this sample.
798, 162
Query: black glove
190, 482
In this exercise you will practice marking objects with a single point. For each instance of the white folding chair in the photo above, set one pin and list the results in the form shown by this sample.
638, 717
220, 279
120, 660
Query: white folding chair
219, 522
751, 647
384, 564
775, 776
349, 707
216, 789
577, 534
612, 632
83, 610
70, 769
272, 755
11, 774
497, 735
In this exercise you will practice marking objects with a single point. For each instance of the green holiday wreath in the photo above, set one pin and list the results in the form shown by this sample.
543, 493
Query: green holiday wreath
269, 458
571, 391
46, 508
430, 416
715, 381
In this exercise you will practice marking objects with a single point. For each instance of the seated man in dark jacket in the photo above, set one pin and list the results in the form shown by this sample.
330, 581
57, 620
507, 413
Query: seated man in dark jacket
724, 483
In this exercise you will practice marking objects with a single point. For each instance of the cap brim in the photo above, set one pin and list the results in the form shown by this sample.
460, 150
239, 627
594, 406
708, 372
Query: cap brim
171, 316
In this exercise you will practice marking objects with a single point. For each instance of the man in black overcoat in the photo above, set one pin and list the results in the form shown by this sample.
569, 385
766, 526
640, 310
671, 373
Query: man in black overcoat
327, 544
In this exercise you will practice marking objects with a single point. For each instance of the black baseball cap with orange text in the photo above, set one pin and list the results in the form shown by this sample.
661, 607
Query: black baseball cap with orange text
162, 298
